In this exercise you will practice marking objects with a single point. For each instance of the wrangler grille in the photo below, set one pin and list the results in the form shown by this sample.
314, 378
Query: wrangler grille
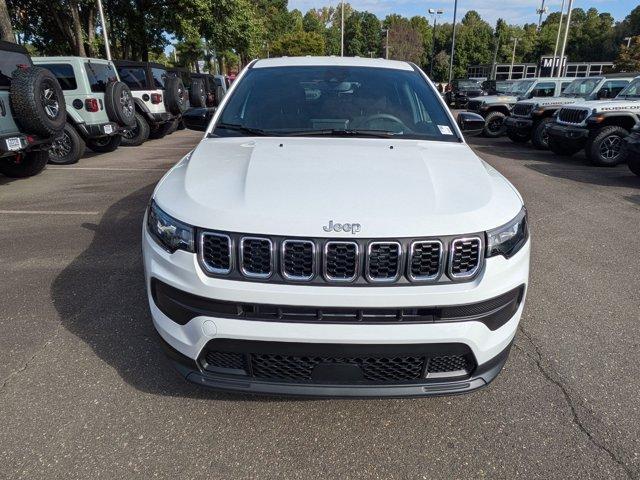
572, 115
474, 105
522, 109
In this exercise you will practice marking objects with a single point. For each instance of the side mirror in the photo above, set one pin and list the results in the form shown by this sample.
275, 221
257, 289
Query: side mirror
470, 124
198, 118
603, 93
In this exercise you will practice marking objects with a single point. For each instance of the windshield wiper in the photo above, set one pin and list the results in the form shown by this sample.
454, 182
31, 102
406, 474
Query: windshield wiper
339, 133
243, 129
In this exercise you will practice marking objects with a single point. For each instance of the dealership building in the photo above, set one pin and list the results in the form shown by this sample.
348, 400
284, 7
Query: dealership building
505, 71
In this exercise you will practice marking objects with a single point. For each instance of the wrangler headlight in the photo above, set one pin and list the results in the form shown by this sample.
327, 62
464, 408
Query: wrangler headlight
508, 239
171, 234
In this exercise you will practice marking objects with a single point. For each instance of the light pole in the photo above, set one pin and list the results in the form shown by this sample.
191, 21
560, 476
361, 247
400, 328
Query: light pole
555, 50
104, 30
566, 35
386, 47
453, 39
342, 30
513, 56
541, 11
433, 12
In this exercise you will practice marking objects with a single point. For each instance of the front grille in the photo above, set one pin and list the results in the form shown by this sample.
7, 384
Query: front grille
298, 259
256, 257
572, 115
465, 257
216, 254
384, 261
474, 105
335, 364
425, 260
341, 261
522, 109
320, 261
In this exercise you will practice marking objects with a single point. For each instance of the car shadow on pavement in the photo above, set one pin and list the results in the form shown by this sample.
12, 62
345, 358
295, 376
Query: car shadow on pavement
100, 297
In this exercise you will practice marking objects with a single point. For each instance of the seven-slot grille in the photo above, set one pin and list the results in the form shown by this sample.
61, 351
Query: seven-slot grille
572, 115
384, 261
256, 257
522, 109
474, 105
464, 259
323, 261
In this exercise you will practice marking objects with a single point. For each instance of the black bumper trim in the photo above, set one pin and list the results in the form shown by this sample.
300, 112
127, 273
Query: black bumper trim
519, 125
482, 376
566, 132
159, 118
181, 307
96, 130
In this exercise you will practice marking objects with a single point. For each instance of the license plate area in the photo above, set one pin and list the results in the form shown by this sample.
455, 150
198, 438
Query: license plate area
13, 143
108, 129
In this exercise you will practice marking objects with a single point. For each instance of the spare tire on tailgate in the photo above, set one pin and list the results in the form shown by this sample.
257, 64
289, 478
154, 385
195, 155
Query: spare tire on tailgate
119, 104
37, 102
175, 96
197, 95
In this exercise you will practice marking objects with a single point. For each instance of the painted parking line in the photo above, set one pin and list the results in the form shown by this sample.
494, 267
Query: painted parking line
46, 212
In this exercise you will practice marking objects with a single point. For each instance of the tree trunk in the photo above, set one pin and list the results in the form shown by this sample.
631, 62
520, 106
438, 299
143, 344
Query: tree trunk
6, 32
91, 30
144, 47
77, 29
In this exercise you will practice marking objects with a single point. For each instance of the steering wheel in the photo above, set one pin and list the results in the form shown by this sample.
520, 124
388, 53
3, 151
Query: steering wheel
384, 116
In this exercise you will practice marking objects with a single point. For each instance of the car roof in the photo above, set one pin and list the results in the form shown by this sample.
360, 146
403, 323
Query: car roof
620, 75
332, 62
69, 58
138, 63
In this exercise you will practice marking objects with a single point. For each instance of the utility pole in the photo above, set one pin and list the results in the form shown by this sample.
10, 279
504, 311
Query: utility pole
566, 35
513, 56
386, 47
453, 39
494, 65
435, 14
104, 30
342, 31
555, 50
541, 11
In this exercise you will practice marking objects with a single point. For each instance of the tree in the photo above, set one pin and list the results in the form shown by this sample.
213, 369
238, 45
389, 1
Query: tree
405, 41
6, 32
629, 57
298, 44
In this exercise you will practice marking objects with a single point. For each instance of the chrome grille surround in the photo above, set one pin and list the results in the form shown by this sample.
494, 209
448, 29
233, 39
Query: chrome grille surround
242, 260
399, 264
412, 251
452, 254
574, 116
206, 265
283, 256
325, 262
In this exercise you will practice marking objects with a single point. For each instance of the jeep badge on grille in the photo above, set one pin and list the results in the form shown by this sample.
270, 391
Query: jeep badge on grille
342, 227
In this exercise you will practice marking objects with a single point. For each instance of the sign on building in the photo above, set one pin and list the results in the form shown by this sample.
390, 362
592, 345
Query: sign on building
547, 62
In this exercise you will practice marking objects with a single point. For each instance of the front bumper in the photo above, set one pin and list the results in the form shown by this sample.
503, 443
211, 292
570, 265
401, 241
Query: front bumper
518, 125
187, 343
567, 133
98, 130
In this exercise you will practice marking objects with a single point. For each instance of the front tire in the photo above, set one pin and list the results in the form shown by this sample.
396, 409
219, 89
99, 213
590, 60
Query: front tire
104, 144
494, 125
136, 135
634, 165
540, 136
67, 148
32, 163
606, 147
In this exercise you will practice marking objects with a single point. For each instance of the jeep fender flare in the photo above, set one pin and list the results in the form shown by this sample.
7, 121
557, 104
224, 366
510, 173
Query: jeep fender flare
142, 108
499, 107
75, 120
626, 120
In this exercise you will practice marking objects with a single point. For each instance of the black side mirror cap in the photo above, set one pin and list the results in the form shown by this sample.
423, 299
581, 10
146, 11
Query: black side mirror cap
198, 118
471, 124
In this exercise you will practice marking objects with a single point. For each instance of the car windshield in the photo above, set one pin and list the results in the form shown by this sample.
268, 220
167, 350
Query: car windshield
335, 101
504, 87
582, 87
632, 90
467, 84
522, 86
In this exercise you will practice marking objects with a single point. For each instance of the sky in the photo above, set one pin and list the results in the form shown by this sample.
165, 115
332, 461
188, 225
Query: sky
513, 11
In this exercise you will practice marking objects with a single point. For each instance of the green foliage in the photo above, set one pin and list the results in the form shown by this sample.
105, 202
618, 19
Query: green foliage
629, 58
300, 43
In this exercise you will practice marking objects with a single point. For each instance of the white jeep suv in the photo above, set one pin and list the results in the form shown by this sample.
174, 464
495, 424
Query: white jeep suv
333, 234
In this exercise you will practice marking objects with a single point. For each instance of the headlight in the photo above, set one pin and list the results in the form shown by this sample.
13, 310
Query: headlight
508, 239
170, 233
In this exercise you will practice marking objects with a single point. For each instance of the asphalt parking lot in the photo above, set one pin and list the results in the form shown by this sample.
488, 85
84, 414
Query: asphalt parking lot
85, 391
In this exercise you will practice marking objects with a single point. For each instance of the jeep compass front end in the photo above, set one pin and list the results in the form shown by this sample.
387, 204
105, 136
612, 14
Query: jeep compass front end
334, 235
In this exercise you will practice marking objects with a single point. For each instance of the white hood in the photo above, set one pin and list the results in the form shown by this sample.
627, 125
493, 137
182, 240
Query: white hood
610, 105
489, 99
552, 101
295, 186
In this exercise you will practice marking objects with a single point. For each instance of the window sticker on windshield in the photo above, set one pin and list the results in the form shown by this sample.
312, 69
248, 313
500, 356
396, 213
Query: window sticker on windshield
445, 130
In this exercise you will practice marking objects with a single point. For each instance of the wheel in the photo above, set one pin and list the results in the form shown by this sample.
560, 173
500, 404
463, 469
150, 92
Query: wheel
634, 165
540, 136
494, 125
181, 125
136, 135
517, 137
104, 144
563, 149
119, 104
161, 130
37, 101
175, 95
28, 165
605, 147
197, 95
67, 148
